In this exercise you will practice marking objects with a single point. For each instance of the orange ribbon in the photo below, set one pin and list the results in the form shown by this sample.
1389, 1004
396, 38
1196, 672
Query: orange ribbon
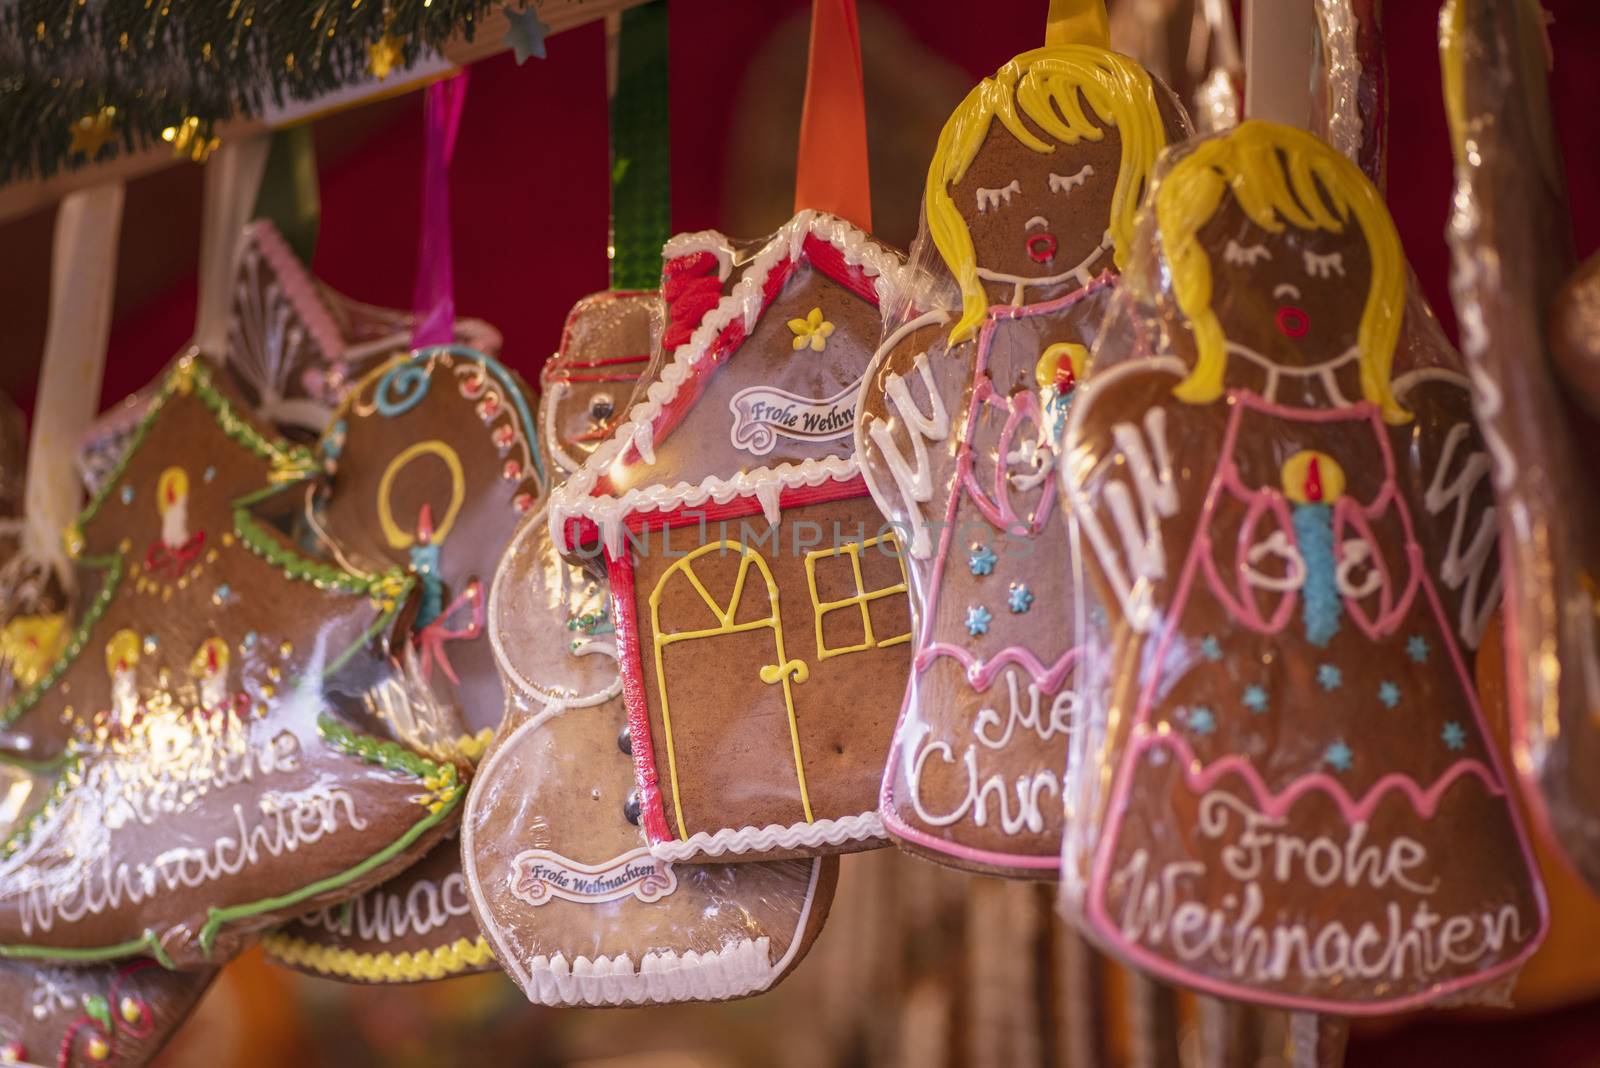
832, 173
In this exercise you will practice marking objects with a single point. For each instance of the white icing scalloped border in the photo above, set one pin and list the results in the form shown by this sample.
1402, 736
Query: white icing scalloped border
576, 498
856, 828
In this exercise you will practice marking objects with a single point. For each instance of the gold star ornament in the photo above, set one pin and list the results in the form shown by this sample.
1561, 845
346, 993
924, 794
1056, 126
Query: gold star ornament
384, 55
90, 133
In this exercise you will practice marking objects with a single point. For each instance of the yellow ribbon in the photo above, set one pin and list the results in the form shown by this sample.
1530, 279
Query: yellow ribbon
1078, 22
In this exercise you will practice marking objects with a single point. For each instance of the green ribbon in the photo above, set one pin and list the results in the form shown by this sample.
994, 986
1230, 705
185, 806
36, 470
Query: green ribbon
289, 197
641, 156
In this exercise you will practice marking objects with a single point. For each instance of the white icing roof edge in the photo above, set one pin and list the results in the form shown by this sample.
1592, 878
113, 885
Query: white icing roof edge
577, 500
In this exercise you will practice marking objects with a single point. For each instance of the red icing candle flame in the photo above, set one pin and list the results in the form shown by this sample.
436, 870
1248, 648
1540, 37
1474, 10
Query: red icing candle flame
1313, 481
425, 525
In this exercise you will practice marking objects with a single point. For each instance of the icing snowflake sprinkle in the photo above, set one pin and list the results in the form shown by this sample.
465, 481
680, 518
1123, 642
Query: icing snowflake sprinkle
1417, 649
982, 560
1210, 648
1329, 677
1021, 598
1388, 693
1339, 756
812, 331
978, 620
1255, 699
1453, 736
1201, 721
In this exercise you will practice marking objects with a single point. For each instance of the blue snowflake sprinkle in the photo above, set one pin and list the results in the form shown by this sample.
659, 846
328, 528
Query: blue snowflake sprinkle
1097, 616
1454, 737
1210, 648
1021, 598
978, 619
127, 494
1417, 648
1388, 693
249, 640
223, 594
1201, 721
210, 473
982, 560
1255, 699
1339, 755
1329, 677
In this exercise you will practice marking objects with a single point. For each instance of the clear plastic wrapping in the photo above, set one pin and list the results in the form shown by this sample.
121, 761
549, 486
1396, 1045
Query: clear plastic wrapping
1286, 791
758, 598
561, 878
1511, 233
1028, 207
220, 739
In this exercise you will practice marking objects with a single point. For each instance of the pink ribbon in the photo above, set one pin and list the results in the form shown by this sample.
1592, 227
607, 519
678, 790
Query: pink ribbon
433, 299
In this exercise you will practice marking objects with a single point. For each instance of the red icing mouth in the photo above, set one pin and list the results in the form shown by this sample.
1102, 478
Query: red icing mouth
1293, 322
1041, 248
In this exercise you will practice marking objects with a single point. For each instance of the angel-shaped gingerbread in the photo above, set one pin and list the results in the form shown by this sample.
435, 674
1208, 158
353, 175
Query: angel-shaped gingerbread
1029, 207
1289, 540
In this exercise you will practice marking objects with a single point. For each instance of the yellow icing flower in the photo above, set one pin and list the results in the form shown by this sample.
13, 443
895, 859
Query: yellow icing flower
813, 330
30, 644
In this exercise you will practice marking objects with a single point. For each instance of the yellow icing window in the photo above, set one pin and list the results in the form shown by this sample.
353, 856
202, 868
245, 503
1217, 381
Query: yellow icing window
862, 597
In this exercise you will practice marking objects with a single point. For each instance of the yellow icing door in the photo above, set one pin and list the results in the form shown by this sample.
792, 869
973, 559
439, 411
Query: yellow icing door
726, 693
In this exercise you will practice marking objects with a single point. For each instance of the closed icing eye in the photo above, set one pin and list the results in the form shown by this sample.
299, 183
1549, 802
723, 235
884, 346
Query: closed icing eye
1242, 256
1324, 266
1285, 291
990, 199
1067, 183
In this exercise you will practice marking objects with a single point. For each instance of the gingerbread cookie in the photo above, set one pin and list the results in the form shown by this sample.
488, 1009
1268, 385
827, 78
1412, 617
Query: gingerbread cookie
297, 347
586, 386
431, 462
1289, 793
759, 598
294, 347
66, 1017
1029, 207
210, 722
1514, 258
560, 873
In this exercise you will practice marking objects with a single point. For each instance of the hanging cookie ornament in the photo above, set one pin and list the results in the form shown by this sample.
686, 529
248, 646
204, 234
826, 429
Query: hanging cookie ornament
1028, 210
430, 463
217, 768
747, 425
1511, 234
560, 872
1284, 515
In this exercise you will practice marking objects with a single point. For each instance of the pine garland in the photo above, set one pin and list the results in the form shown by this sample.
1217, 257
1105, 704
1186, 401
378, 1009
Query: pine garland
162, 63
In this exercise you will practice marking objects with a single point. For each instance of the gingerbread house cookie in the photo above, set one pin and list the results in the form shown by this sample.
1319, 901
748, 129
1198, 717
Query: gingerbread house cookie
759, 598
560, 873
221, 727
1514, 265
1289, 792
1029, 206
431, 462
586, 386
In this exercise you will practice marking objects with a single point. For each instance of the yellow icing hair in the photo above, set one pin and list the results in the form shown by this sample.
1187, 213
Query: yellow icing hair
1043, 85
1278, 174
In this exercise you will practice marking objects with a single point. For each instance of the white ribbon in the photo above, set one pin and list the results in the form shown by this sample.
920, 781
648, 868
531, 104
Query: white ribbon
83, 272
233, 178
